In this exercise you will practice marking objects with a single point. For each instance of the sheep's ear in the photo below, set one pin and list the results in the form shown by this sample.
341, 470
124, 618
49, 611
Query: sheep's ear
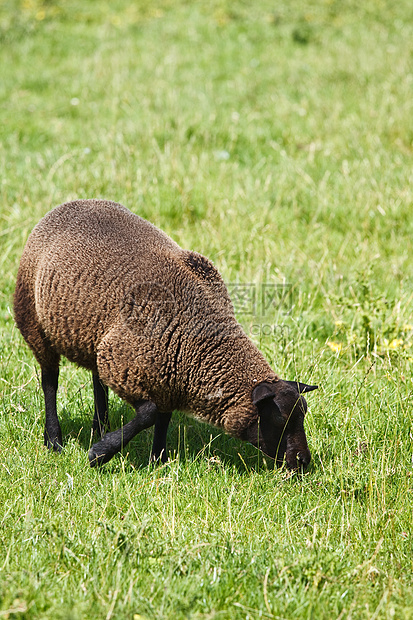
302, 387
262, 391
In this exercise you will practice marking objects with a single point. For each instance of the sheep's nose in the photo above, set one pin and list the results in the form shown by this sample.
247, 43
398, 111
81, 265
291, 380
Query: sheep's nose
303, 459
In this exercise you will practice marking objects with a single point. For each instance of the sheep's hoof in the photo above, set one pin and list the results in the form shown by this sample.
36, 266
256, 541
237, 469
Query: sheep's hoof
159, 457
54, 446
100, 431
96, 459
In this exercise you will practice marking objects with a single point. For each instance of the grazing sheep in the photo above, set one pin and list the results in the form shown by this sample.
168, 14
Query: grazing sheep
112, 293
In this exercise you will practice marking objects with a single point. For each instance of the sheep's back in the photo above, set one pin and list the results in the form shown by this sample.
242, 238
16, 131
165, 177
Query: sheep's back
83, 258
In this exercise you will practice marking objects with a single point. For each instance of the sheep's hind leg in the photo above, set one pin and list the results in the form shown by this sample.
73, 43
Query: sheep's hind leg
52, 431
159, 438
101, 397
113, 442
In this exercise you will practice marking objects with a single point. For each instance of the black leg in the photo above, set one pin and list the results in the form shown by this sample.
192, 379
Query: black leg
159, 438
112, 443
101, 396
52, 431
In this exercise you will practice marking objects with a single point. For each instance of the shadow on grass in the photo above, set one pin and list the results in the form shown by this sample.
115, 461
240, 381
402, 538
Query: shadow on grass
187, 439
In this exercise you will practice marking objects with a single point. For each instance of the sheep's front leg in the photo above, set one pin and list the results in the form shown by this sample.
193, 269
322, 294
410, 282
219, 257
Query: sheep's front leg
52, 431
159, 438
101, 397
112, 443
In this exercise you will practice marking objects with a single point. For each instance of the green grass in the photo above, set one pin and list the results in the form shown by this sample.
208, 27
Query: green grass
277, 139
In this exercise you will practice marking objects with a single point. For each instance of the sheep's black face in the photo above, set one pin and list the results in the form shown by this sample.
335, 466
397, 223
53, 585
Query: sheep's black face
279, 431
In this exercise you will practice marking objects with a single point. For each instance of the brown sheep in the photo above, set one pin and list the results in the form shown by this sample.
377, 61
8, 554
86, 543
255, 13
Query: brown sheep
112, 293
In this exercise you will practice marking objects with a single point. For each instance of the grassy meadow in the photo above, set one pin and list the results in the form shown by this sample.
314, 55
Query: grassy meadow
276, 139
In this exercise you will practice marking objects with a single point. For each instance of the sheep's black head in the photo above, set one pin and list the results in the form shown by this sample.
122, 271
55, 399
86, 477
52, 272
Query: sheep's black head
279, 430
